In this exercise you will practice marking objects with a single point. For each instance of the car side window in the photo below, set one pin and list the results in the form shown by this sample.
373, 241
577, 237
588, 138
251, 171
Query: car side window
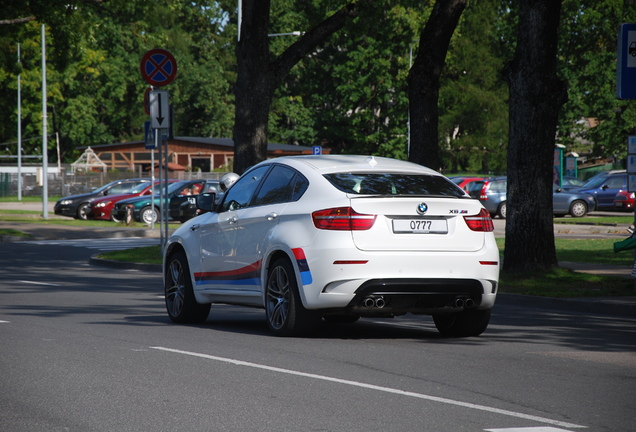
240, 194
300, 186
277, 187
498, 186
121, 188
615, 182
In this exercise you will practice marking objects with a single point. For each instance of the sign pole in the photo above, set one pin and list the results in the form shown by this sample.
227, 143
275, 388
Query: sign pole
167, 206
158, 68
162, 197
152, 193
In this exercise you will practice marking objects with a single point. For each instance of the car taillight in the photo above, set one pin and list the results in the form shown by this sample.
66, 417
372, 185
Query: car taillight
483, 195
480, 222
342, 219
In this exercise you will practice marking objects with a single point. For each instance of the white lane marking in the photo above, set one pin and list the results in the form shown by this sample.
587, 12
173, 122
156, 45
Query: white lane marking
5, 322
528, 429
38, 283
374, 387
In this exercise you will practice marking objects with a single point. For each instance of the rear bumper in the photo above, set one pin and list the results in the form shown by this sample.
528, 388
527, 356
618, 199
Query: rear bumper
421, 296
426, 283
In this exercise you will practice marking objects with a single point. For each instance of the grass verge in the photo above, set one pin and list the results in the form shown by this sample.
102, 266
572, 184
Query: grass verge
144, 255
564, 283
13, 233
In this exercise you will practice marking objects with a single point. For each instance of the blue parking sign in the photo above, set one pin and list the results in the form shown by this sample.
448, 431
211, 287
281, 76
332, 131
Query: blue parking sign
149, 136
626, 67
316, 150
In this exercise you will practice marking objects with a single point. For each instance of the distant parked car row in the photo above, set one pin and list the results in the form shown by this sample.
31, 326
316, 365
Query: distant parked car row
115, 200
606, 191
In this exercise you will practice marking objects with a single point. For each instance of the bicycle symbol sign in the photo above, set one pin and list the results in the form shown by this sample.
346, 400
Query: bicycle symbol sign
158, 67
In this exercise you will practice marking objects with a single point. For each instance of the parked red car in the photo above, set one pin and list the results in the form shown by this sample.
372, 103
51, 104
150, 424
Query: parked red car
624, 200
101, 209
464, 182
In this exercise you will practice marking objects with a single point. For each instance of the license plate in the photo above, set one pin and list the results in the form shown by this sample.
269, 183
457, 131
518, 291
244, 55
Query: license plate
420, 226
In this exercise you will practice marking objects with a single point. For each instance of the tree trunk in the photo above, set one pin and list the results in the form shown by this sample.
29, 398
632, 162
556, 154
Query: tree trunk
424, 82
258, 76
536, 96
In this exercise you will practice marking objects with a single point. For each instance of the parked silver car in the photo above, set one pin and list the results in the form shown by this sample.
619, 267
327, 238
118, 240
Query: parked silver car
492, 194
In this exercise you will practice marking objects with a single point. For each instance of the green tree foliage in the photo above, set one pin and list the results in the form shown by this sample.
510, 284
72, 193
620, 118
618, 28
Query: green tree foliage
350, 94
473, 120
588, 42
95, 89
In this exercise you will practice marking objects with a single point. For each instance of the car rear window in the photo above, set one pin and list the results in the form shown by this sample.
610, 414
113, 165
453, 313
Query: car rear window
394, 184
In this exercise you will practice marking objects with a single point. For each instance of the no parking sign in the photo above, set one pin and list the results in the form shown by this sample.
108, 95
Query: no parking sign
158, 67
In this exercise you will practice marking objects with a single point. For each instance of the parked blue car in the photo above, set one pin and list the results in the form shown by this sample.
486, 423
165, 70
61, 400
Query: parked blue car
604, 188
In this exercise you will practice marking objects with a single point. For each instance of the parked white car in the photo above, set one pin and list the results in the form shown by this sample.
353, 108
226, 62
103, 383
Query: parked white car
337, 237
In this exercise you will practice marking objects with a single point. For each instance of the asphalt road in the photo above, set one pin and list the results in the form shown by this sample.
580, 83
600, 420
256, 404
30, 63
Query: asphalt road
89, 348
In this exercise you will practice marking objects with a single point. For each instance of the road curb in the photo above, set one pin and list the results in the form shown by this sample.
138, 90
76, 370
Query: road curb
95, 260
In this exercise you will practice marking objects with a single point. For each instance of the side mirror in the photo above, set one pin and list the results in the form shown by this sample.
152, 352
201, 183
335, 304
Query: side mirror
205, 201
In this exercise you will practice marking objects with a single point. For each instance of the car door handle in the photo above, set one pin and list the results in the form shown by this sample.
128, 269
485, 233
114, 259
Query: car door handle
272, 216
195, 227
232, 220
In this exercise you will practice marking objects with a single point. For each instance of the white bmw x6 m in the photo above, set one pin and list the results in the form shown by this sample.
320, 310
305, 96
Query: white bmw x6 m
337, 237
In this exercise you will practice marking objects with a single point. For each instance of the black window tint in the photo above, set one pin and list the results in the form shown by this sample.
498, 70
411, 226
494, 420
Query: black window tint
241, 192
277, 187
475, 186
394, 184
300, 187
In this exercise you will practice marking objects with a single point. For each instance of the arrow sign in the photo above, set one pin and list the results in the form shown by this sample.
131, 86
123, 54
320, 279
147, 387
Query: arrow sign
159, 109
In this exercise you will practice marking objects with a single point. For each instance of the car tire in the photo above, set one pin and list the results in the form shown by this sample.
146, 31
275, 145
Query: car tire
578, 208
81, 211
470, 322
286, 315
502, 210
148, 215
181, 305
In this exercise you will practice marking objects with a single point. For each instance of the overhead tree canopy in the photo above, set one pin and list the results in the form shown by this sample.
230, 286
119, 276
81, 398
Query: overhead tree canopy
259, 76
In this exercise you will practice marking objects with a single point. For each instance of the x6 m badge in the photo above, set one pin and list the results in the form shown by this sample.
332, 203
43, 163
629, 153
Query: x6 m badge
422, 208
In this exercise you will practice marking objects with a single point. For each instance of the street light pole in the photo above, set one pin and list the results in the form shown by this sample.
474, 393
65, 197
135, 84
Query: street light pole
19, 133
45, 167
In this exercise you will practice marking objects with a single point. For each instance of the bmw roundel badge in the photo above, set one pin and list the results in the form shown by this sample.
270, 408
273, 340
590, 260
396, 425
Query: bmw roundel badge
422, 208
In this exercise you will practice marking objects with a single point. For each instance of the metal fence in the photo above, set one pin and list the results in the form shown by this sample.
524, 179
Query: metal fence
65, 184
